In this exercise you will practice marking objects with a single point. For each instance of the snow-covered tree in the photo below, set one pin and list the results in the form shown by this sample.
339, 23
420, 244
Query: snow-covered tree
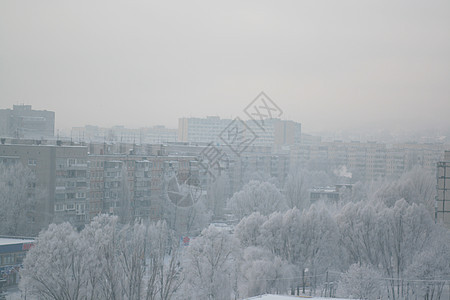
361, 282
164, 269
55, 267
317, 238
107, 260
248, 231
194, 218
406, 231
100, 238
305, 240
430, 269
19, 197
415, 186
183, 206
296, 187
358, 225
209, 264
385, 237
263, 272
272, 235
132, 247
256, 196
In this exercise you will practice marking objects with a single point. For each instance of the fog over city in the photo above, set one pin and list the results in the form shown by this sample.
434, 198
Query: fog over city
224, 150
331, 65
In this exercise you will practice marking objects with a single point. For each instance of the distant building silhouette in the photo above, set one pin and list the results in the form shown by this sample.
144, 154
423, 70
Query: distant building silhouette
275, 132
24, 122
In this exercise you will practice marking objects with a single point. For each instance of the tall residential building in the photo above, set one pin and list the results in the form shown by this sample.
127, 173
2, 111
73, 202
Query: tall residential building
159, 134
72, 185
133, 184
201, 130
24, 122
81, 182
287, 132
60, 173
39, 159
273, 132
443, 191
120, 134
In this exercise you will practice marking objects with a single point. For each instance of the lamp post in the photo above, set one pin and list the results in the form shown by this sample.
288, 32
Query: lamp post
305, 270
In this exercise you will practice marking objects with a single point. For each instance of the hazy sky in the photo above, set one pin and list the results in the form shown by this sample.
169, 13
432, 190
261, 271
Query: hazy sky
328, 64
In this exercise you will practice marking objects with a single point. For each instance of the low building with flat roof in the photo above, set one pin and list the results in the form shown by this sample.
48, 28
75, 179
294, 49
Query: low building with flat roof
12, 254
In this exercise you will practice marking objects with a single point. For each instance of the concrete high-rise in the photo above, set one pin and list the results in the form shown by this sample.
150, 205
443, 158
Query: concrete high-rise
443, 191
24, 122
273, 132
61, 175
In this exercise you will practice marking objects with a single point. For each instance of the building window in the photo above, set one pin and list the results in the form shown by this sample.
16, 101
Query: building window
7, 259
20, 257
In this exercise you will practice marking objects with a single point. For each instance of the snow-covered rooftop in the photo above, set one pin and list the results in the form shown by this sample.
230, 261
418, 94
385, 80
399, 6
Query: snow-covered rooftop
13, 241
281, 297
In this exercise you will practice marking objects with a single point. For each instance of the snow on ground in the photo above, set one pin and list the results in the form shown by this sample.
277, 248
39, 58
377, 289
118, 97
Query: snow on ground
280, 297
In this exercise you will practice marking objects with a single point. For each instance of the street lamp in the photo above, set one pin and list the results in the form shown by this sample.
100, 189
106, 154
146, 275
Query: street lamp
305, 270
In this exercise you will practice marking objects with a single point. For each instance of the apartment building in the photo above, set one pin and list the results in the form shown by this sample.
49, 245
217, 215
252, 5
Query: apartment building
71, 185
136, 183
367, 160
442, 212
201, 130
272, 132
61, 175
24, 122
159, 134
121, 134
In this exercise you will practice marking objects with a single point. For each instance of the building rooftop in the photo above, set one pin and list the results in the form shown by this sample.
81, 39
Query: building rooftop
281, 297
13, 241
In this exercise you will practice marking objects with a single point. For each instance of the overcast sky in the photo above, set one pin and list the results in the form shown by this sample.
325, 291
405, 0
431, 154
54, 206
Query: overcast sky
328, 64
